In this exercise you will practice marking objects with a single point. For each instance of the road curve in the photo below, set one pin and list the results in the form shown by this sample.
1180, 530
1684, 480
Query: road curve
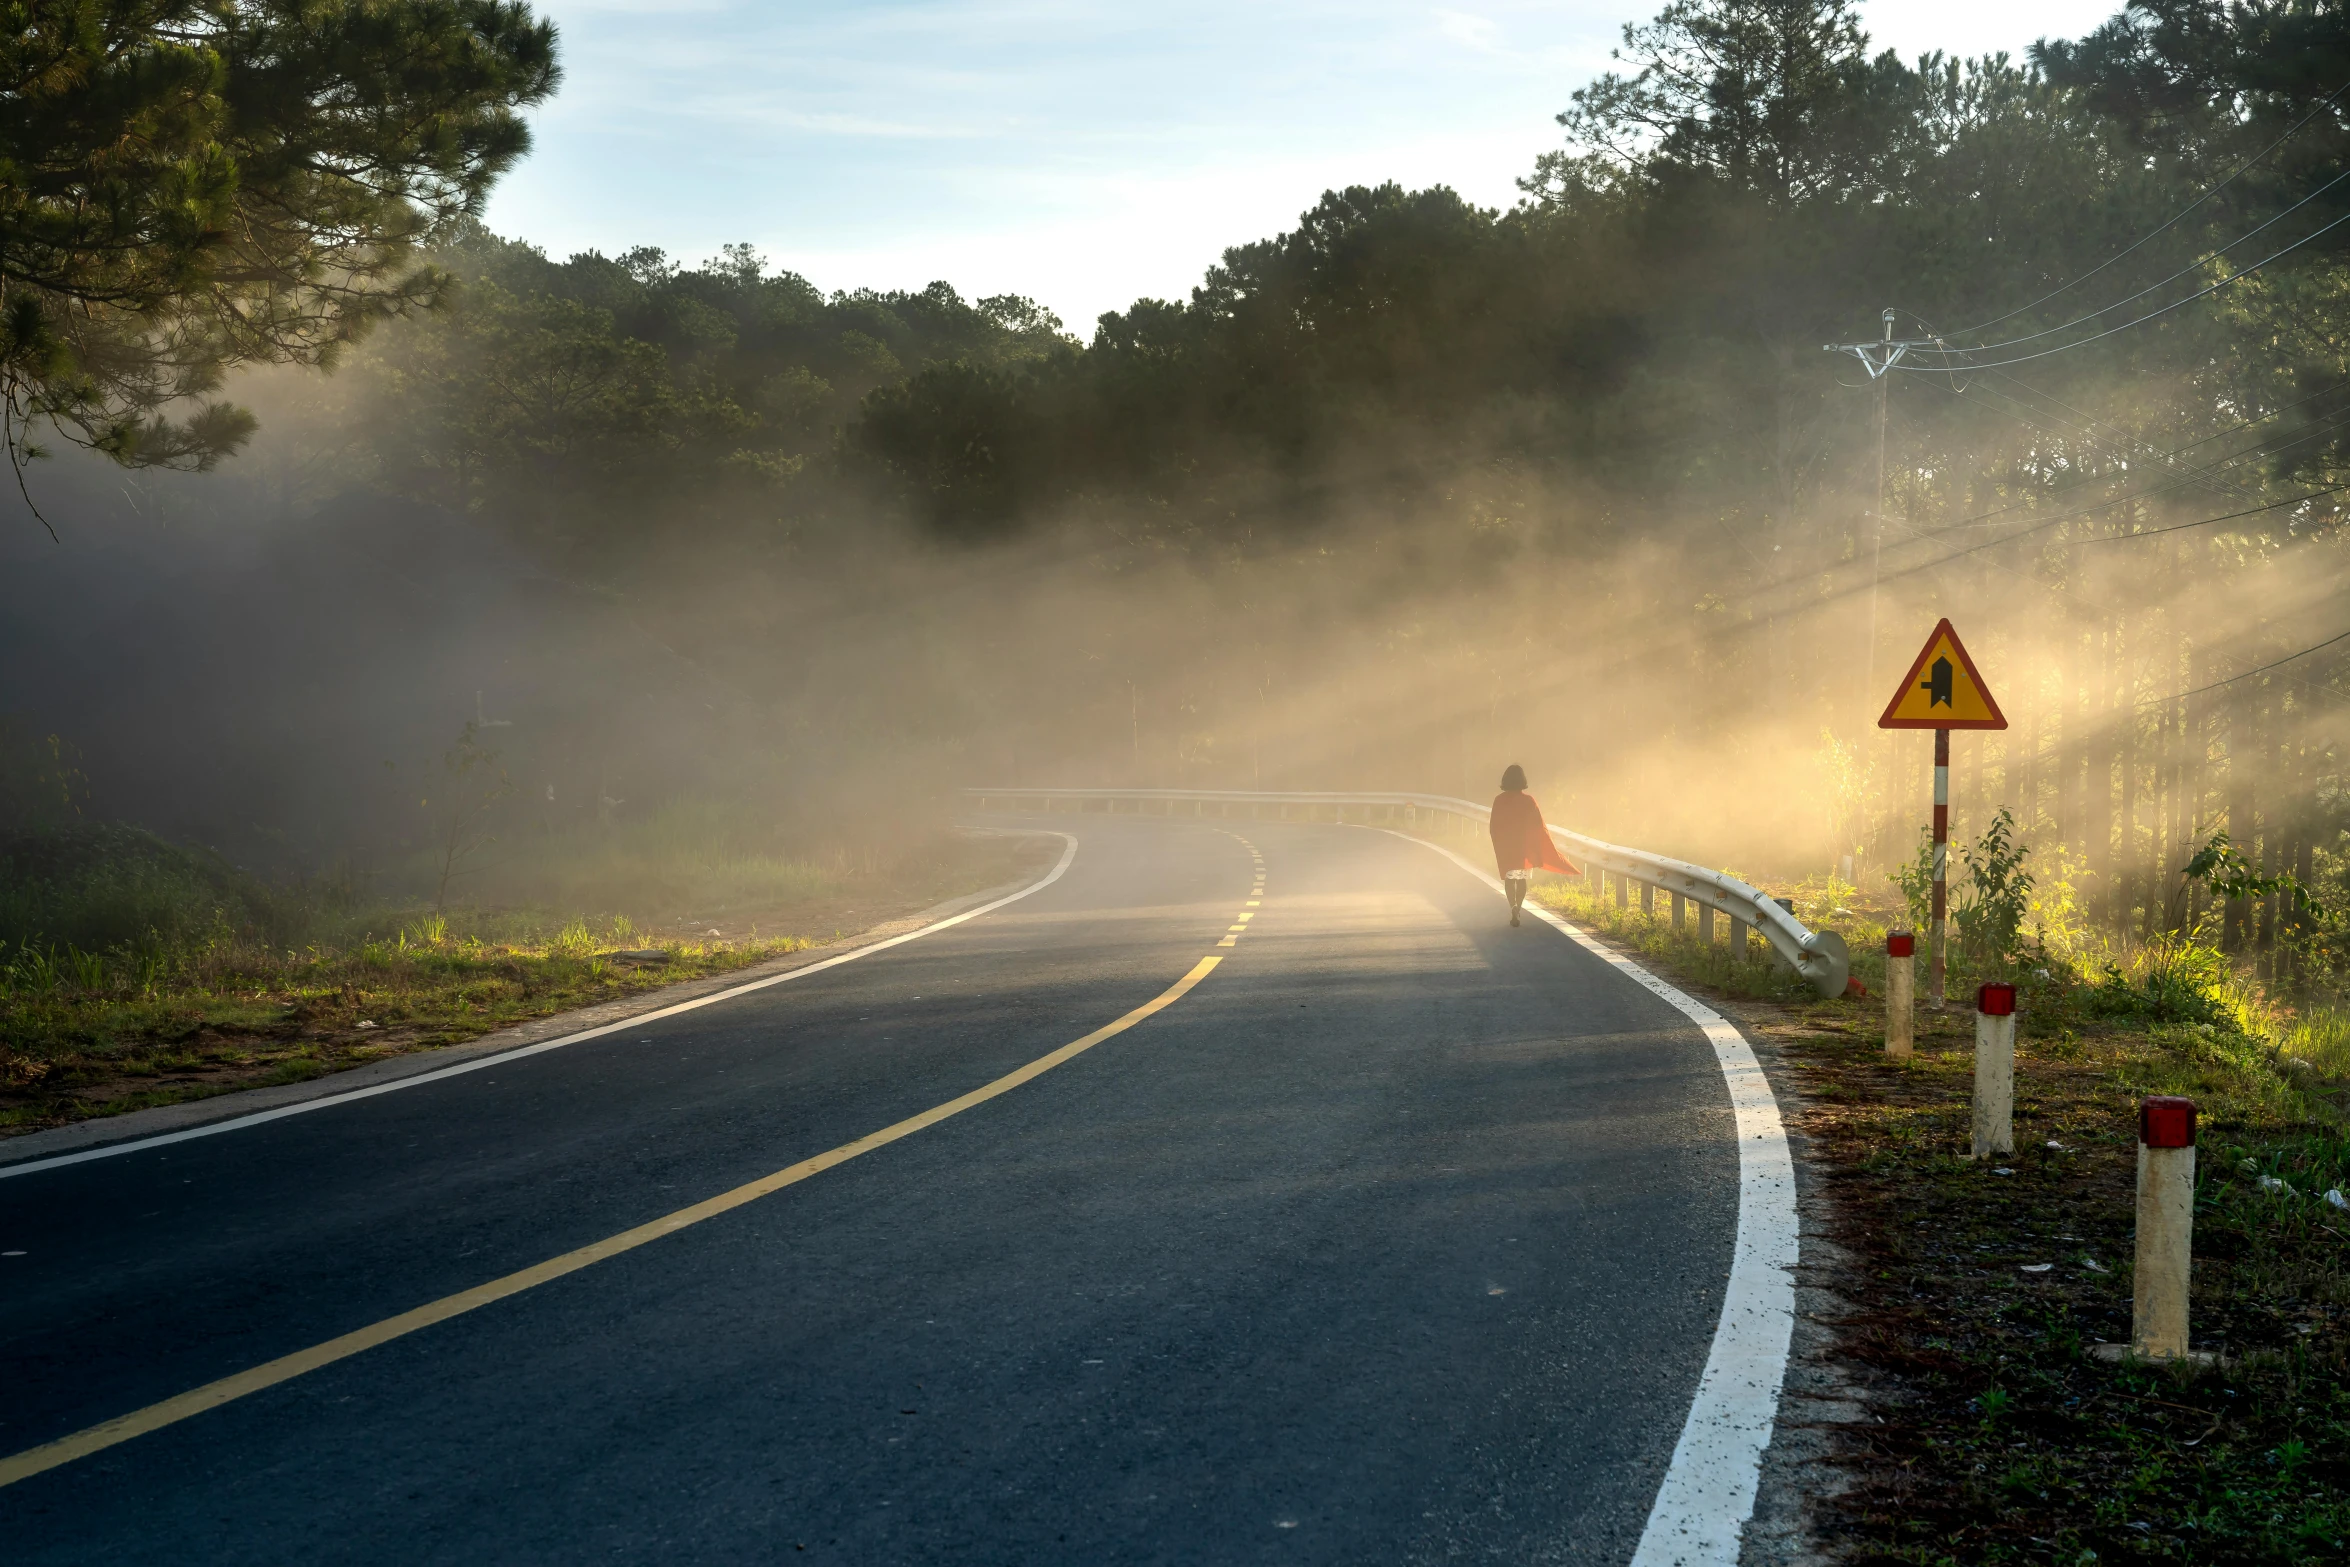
1401, 1236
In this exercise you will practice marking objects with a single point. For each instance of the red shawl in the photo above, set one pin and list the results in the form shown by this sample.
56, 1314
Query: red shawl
1520, 841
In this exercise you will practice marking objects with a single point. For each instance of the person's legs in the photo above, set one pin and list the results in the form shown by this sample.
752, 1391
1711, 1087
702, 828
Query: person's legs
1517, 891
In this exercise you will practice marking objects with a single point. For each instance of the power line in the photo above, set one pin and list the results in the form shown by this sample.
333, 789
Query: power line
2129, 442
2066, 348
2263, 669
2170, 456
2263, 418
2038, 527
2180, 527
1940, 561
2212, 255
2126, 457
2167, 224
2149, 492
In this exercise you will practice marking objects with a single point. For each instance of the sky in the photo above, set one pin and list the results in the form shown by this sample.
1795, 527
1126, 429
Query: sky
1080, 152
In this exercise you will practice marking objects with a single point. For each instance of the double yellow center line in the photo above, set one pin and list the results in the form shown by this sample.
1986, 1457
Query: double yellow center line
36, 1460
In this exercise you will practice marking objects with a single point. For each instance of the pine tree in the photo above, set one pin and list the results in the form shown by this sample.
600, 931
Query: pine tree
187, 186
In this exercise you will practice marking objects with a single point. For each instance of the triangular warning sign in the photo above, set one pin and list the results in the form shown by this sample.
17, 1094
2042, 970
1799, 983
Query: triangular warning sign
1943, 690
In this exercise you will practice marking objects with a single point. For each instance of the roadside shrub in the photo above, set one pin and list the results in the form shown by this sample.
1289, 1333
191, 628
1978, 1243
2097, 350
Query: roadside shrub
102, 886
2321, 1037
1997, 896
2176, 978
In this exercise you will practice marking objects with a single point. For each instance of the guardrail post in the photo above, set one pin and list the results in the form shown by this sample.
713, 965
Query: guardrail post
1677, 905
1994, 1070
1705, 923
1648, 899
1623, 892
1901, 993
1737, 939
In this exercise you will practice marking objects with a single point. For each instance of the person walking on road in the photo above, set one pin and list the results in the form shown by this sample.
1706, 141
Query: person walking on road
1521, 843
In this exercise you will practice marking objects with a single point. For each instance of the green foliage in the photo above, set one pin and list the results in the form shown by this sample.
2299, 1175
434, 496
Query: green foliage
102, 886
2320, 1036
600, 404
1996, 895
473, 785
1850, 771
1632, 352
2222, 867
2175, 978
191, 185
1755, 94
41, 781
1915, 878
283, 994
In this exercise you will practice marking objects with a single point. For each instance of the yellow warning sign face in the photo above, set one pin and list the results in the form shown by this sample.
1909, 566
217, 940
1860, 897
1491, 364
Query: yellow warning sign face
1943, 690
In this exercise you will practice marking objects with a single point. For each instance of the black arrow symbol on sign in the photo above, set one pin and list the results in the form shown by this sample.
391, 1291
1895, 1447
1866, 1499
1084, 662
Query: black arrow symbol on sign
1936, 685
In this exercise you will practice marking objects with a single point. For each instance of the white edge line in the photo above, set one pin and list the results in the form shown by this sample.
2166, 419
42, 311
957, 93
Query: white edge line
1708, 1493
1068, 853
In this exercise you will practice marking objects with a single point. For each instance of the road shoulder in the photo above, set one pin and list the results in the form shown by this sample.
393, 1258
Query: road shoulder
163, 1120
1823, 1397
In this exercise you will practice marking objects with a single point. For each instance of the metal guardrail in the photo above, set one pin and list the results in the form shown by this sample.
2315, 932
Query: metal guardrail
1818, 955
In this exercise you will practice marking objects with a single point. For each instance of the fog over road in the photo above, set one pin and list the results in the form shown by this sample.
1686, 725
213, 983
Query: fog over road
1402, 1235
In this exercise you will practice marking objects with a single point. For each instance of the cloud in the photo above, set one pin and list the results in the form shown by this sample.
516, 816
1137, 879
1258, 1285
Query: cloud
1077, 151
1475, 32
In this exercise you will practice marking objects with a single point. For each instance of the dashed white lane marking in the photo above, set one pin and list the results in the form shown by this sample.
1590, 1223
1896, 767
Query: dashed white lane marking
30, 1166
1707, 1497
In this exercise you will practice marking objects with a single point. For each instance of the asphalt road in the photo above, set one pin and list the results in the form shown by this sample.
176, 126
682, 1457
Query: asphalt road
1401, 1237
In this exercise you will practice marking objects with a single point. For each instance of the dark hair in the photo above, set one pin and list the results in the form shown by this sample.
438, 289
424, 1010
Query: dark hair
1513, 777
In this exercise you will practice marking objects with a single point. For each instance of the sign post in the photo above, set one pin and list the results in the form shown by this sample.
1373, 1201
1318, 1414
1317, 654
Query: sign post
1941, 692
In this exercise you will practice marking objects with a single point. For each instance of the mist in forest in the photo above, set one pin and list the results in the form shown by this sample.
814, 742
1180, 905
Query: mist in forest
1396, 498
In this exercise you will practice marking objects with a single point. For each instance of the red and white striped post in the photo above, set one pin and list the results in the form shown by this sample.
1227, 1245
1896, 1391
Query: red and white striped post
1941, 863
1901, 993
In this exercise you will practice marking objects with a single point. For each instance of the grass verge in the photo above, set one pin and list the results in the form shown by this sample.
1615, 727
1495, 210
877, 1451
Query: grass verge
1993, 1436
210, 1010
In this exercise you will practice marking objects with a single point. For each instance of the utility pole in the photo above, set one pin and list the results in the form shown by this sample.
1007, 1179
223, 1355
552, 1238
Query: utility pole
1868, 685
1878, 359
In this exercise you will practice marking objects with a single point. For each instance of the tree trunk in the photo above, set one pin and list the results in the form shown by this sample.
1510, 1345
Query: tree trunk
2194, 771
2242, 827
2097, 772
2068, 748
2128, 859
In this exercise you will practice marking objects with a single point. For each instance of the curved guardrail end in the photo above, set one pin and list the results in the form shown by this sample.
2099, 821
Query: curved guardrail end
1826, 963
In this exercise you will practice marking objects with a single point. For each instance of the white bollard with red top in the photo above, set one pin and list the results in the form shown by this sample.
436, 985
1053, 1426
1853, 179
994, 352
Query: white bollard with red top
1901, 993
2166, 1228
1994, 1070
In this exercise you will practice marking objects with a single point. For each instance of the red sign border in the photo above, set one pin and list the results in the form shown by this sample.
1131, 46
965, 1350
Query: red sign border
1942, 628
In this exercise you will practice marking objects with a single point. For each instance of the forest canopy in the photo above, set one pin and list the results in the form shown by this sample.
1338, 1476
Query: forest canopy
188, 186
1610, 448
1642, 330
